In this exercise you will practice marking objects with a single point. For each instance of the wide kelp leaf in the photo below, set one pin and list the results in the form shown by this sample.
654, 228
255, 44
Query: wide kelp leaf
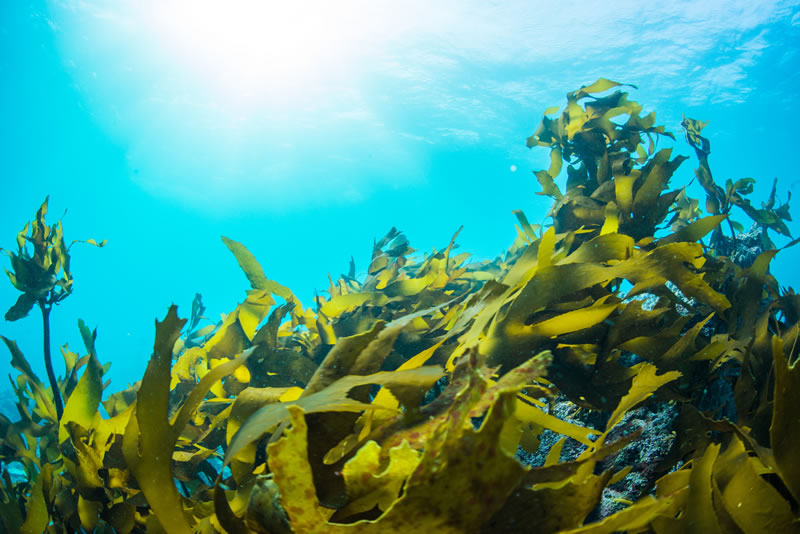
21, 308
247, 402
785, 430
723, 490
463, 477
291, 471
150, 436
149, 439
694, 231
38, 514
745, 497
340, 360
42, 397
517, 327
416, 426
333, 398
445, 493
370, 484
252, 269
81, 405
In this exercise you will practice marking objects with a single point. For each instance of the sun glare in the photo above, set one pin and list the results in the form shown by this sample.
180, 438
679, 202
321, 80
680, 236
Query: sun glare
250, 50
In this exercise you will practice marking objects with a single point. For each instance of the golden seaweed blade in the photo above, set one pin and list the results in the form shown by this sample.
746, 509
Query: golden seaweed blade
405, 399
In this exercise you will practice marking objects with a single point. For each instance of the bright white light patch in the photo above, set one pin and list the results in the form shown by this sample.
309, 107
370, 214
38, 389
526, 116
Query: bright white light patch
260, 52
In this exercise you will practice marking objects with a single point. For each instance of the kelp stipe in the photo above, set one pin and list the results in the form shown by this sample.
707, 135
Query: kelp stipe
44, 278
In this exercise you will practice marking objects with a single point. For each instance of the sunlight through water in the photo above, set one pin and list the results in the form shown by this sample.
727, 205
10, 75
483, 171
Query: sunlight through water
256, 54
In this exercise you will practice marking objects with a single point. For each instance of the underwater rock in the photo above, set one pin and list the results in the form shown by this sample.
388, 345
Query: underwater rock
742, 249
570, 412
650, 300
718, 399
643, 455
264, 510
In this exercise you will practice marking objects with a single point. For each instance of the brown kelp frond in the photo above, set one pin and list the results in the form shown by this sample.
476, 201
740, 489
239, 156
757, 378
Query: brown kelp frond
44, 278
406, 397
41, 272
613, 181
722, 200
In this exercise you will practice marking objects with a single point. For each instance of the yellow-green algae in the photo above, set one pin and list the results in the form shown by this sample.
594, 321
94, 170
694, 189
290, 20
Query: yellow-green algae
319, 413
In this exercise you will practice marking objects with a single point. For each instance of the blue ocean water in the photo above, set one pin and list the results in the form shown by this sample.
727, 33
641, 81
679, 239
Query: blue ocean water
306, 132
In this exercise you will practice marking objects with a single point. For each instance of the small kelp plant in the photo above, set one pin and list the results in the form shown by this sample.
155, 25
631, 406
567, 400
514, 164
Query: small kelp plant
44, 278
405, 401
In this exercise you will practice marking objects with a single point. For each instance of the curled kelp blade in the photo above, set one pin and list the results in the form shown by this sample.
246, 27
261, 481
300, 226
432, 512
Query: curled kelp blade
333, 398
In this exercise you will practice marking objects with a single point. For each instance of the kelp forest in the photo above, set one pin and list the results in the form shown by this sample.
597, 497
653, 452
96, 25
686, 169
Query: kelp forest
630, 367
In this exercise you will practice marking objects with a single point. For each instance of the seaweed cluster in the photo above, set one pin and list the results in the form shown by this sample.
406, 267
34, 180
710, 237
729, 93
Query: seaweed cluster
44, 279
404, 401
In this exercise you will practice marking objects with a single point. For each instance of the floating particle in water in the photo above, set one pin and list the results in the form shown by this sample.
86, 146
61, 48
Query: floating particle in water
513, 168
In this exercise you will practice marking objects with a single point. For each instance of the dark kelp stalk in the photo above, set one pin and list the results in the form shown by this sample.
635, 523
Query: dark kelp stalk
406, 400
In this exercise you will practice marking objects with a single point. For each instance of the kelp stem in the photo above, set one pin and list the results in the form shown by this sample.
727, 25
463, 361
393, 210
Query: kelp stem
48, 361
733, 231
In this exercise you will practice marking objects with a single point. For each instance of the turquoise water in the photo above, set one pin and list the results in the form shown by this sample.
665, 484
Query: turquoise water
304, 134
